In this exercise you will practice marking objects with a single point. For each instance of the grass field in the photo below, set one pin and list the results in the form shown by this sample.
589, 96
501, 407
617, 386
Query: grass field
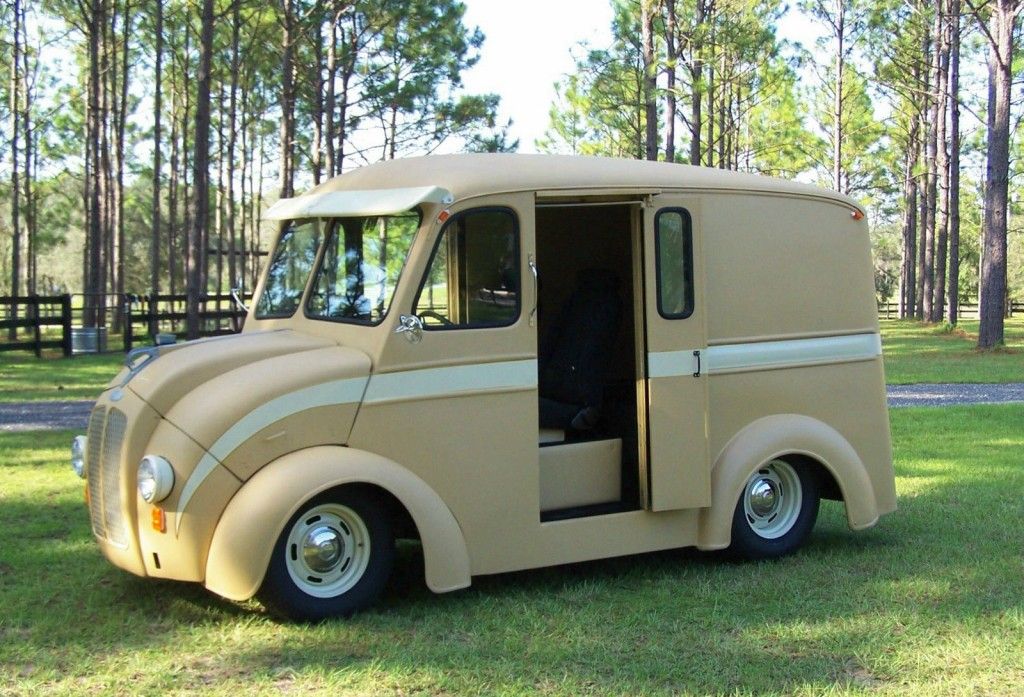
916, 352
931, 601
23, 377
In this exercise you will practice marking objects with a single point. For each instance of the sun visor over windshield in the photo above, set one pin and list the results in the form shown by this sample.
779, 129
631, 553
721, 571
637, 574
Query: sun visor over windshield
331, 204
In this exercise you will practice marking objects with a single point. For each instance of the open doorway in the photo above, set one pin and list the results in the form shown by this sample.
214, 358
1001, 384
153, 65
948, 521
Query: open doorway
587, 359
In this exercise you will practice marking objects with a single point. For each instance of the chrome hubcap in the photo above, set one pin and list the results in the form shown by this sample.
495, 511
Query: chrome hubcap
763, 497
322, 549
772, 498
328, 550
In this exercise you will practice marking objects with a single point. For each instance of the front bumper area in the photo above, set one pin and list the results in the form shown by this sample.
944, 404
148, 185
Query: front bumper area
115, 429
120, 433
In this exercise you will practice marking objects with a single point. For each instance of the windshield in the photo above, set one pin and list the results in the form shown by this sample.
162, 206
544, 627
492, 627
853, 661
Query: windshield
362, 262
293, 261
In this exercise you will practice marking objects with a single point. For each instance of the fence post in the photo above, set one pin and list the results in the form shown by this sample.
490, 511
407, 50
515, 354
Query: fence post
128, 338
65, 317
33, 309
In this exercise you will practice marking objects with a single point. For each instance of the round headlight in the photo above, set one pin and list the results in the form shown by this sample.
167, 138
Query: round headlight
156, 478
78, 455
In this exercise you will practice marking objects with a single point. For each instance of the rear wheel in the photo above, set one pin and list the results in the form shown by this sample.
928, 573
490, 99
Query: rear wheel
332, 559
776, 511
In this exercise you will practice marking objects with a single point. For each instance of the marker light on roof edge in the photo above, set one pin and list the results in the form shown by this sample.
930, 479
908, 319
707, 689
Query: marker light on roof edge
856, 214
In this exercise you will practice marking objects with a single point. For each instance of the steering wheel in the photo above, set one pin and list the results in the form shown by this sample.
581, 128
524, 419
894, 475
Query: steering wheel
430, 314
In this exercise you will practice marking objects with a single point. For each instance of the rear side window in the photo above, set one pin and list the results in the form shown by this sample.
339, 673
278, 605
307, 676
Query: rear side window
674, 249
473, 277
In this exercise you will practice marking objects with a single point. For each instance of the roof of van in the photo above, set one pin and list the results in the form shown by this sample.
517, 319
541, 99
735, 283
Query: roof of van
469, 175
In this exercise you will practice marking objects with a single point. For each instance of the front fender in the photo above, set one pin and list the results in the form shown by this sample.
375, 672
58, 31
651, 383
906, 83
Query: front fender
771, 437
245, 536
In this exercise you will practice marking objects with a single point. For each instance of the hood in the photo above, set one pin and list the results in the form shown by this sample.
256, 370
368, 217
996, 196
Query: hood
206, 387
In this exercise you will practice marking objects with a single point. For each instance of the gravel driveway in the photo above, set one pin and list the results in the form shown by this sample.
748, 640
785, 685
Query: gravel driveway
38, 416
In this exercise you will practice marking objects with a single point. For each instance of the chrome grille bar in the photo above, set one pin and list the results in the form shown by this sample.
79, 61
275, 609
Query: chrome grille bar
94, 467
112, 439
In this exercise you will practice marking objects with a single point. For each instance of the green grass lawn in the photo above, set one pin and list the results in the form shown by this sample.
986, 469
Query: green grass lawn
931, 601
917, 352
23, 377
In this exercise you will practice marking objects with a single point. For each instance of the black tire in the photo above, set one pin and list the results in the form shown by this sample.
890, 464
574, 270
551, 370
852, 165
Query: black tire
349, 521
756, 534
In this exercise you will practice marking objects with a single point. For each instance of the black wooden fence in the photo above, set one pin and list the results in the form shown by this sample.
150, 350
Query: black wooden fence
34, 313
27, 322
891, 310
147, 315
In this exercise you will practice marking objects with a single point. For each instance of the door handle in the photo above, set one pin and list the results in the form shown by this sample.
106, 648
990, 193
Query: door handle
696, 354
533, 271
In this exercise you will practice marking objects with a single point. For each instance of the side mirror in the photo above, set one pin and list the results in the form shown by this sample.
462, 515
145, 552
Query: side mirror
411, 326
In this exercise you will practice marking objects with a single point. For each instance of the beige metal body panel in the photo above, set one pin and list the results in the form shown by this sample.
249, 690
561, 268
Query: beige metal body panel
240, 550
288, 402
578, 474
163, 383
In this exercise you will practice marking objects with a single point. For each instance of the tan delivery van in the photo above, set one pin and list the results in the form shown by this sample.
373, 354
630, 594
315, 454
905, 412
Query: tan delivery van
518, 361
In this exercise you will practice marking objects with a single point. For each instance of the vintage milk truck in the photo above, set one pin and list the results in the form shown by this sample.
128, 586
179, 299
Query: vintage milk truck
519, 361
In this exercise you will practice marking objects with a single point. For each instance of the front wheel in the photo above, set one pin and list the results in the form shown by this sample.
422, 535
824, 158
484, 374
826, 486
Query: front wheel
776, 511
332, 559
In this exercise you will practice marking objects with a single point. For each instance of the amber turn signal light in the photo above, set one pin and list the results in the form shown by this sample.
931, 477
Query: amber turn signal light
159, 520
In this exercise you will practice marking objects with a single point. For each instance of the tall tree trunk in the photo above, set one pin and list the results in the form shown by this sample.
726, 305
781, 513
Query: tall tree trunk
992, 307
837, 101
332, 76
31, 155
953, 307
670, 75
649, 80
201, 173
154, 245
94, 233
172, 195
941, 162
236, 26
120, 118
931, 183
908, 277
287, 100
318, 102
696, 83
15, 106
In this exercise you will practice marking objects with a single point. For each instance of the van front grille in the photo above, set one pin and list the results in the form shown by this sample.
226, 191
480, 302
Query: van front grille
106, 433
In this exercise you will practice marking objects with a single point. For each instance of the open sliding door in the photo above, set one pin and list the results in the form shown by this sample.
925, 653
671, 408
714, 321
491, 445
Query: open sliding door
676, 342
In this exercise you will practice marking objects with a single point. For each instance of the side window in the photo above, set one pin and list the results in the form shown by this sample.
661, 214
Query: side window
674, 244
473, 277
289, 270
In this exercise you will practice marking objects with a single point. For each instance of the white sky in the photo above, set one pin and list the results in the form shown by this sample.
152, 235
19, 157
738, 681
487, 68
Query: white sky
529, 44
527, 50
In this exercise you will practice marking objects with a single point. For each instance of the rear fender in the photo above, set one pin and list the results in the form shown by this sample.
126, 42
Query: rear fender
776, 436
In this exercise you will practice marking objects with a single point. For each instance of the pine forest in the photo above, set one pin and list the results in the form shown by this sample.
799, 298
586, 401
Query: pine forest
143, 140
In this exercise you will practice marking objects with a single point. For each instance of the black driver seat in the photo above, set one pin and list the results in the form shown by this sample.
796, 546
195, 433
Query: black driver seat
575, 354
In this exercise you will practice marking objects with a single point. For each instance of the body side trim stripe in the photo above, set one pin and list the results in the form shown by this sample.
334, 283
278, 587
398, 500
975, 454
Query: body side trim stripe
451, 381
763, 355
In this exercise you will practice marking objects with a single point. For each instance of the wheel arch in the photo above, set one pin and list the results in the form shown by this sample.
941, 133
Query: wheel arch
842, 473
240, 551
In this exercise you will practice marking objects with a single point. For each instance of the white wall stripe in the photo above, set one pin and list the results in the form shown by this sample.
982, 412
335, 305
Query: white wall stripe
762, 355
450, 381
